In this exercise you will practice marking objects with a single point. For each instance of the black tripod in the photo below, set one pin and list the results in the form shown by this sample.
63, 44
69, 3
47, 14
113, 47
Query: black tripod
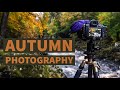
93, 66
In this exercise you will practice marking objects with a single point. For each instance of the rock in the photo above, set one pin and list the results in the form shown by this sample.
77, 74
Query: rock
65, 66
118, 72
108, 75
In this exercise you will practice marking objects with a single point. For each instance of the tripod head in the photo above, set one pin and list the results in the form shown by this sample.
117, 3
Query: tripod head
91, 48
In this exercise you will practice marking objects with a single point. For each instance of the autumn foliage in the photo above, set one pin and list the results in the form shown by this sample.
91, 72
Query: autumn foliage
25, 25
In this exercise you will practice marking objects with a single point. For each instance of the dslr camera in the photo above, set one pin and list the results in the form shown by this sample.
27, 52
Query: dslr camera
87, 29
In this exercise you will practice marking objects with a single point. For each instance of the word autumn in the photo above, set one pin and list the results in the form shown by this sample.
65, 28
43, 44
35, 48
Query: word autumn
32, 46
15, 45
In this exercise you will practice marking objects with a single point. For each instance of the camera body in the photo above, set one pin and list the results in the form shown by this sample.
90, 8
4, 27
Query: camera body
94, 29
91, 29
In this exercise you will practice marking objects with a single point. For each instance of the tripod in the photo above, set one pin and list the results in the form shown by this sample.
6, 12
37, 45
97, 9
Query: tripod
93, 66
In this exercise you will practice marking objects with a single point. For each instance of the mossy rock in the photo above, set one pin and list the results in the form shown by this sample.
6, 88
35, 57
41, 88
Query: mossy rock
1, 53
2, 67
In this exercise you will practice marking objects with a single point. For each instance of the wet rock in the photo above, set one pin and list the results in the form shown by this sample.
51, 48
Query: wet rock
65, 66
118, 72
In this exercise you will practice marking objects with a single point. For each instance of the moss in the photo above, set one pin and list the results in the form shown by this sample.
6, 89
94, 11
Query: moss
1, 53
30, 71
2, 67
17, 74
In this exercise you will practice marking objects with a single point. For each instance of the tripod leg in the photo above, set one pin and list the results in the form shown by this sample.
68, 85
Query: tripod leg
90, 71
95, 69
79, 71
95, 72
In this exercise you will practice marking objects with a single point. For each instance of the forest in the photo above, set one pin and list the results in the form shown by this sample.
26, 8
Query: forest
54, 25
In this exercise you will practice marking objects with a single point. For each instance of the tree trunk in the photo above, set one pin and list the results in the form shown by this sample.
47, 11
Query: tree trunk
3, 27
4, 23
118, 36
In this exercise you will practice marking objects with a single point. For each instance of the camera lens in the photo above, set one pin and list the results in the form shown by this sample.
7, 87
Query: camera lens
93, 23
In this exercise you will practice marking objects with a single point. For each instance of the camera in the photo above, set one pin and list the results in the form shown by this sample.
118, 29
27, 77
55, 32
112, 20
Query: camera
87, 29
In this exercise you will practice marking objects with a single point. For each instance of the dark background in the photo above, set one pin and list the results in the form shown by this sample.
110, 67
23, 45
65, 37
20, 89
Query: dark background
60, 5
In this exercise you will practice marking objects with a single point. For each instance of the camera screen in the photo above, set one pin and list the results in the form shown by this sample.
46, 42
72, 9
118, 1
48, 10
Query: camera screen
95, 32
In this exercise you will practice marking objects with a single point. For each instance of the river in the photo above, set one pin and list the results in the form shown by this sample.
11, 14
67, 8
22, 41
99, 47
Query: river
108, 69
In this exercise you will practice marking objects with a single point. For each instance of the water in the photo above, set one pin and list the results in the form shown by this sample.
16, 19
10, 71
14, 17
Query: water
108, 68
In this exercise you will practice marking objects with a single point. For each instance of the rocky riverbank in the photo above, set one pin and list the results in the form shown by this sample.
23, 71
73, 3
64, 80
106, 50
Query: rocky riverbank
108, 69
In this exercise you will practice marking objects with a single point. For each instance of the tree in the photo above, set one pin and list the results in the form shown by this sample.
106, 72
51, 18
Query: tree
22, 24
4, 21
42, 19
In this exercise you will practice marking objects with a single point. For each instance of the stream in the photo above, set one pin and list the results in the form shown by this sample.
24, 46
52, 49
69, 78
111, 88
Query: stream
108, 69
